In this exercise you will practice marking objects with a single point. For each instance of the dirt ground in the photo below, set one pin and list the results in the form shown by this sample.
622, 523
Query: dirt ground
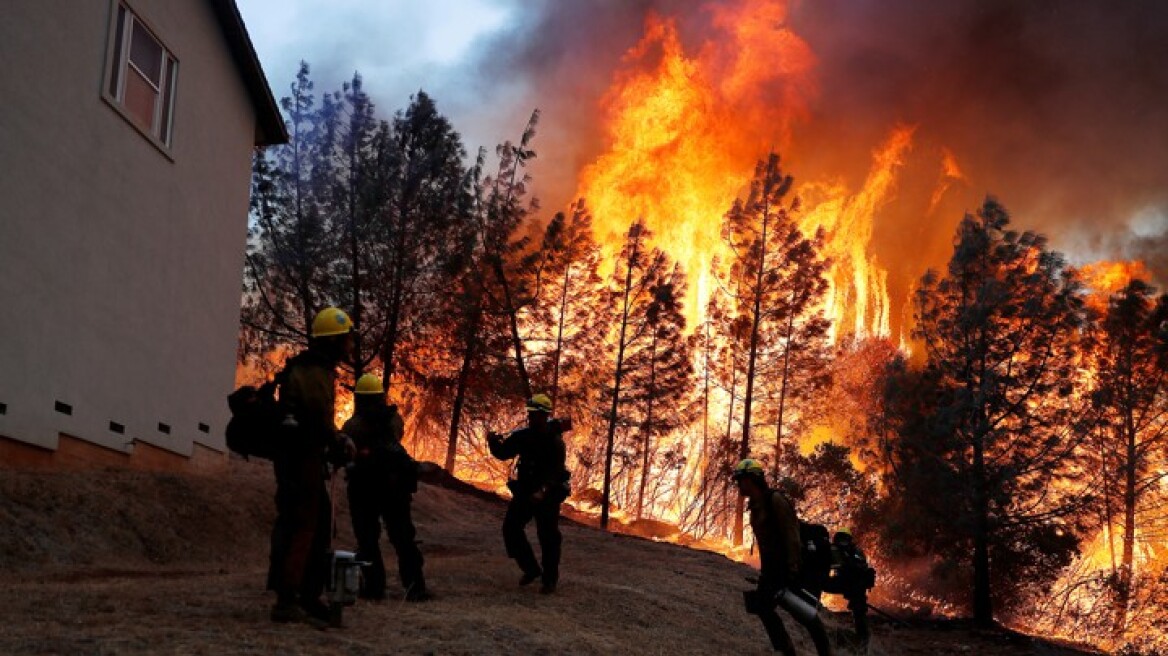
118, 562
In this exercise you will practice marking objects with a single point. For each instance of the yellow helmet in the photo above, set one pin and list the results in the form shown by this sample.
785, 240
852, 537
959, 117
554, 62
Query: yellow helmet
539, 403
368, 384
748, 467
331, 321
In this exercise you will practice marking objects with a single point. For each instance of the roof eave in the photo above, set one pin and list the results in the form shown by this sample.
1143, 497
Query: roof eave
270, 128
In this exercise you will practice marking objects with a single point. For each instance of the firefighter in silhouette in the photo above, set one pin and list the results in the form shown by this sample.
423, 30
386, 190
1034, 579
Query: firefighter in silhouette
382, 482
851, 577
776, 532
539, 487
299, 567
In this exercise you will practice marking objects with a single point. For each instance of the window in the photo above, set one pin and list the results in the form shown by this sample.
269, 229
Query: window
142, 76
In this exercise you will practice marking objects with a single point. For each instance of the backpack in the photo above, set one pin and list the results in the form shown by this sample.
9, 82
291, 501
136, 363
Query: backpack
854, 569
814, 556
255, 426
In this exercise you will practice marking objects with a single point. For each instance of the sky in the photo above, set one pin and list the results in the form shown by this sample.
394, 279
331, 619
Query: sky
398, 47
1057, 107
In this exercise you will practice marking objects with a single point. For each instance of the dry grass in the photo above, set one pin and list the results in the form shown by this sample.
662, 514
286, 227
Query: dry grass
121, 562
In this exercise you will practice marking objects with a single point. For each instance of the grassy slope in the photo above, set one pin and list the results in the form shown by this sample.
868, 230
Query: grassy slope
131, 563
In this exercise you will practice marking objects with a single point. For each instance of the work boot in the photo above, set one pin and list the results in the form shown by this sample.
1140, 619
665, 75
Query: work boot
547, 587
318, 613
285, 612
290, 612
418, 593
530, 577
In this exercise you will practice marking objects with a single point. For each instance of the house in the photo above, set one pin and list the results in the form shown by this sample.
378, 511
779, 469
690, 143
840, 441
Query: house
126, 134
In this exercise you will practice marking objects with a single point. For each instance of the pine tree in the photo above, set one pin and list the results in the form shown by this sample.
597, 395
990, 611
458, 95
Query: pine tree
290, 242
505, 251
347, 167
496, 282
658, 371
986, 458
564, 318
1130, 396
425, 214
643, 279
778, 278
698, 514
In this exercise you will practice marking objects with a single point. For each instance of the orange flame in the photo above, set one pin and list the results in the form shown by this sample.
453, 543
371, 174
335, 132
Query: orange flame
684, 133
1110, 277
858, 300
1104, 278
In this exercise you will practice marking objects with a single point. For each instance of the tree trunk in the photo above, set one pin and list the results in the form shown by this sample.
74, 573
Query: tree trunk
560, 335
513, 318
983, 611
751, 357
703, 461
469, 353
1127, 564
783, 391
396, 303
646, 442
620, 356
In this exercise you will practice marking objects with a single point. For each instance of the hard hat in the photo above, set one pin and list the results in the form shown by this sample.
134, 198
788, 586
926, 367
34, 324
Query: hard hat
842, 535
331, 321
368, 384
748, 467
539, 403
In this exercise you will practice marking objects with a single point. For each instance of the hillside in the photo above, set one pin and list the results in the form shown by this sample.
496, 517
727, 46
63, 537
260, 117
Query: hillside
118, 562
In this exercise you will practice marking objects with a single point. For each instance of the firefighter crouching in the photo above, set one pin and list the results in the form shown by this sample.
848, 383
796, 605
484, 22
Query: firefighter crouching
851, 577
382, 481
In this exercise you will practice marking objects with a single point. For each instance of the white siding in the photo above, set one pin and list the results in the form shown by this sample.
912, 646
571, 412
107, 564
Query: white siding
120, 267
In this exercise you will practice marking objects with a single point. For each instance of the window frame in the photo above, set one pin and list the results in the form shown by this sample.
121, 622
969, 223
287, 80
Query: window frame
122, 21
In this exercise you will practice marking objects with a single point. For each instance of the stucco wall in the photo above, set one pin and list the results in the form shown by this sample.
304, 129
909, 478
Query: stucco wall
120, 267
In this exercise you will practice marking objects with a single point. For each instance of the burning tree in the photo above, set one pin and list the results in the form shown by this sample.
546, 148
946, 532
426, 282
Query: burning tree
778, 280
1130, 396
707, 507
652, 367
985, 456
495, 283
566, 327
853, 400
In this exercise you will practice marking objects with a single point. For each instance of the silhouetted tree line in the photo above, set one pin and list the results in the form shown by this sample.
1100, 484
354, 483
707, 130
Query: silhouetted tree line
1026, 421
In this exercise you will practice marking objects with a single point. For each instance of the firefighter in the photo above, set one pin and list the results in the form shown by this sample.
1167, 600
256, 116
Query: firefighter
299, 564
851, 577
776, 532
540, 486
382, 482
